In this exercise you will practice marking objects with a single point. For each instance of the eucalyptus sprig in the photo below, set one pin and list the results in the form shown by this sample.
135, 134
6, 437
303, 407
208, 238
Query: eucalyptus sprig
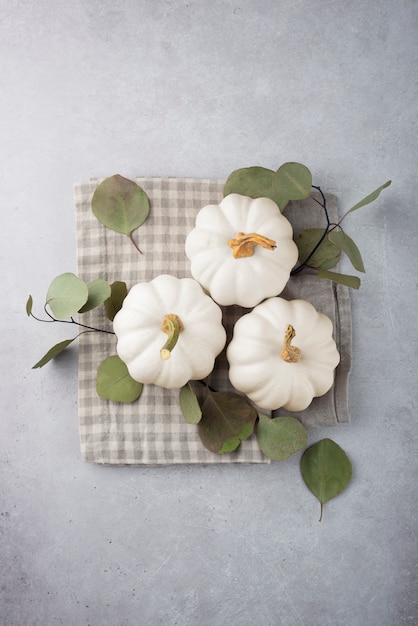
67, 296
319, 248
120, 205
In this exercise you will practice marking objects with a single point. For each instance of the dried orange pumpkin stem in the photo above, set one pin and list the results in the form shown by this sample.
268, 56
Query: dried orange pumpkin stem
243, 245
290, 354
171, 326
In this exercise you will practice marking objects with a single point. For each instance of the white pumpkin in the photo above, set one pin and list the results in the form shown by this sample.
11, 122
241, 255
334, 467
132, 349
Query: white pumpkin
169, 332
282, 354
241, 251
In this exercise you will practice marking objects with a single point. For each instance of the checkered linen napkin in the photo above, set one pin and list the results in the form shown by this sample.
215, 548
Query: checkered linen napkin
152, 430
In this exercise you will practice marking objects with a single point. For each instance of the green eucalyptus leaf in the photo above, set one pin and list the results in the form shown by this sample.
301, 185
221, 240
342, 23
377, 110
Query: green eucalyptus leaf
292, 181
98, 292
368, 199
343, 279
225, 416
29, 305
115, 383
66, 295
120, 204
280, 437
326, 470
53, 352
325, 256
113, 304
347, 245
189, 405
255, 182
232, 444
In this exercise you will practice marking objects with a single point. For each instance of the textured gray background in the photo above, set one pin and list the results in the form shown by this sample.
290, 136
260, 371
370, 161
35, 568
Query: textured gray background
199, 88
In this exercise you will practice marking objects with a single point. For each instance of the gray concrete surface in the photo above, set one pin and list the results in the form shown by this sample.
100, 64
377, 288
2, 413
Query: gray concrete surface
199, 88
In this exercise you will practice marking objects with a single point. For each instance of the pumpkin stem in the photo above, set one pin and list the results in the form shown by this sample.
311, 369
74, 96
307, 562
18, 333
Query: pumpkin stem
290, 354
171, 326
244, 245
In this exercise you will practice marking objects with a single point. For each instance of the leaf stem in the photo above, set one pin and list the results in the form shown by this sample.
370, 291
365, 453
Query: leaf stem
38, 319
323, 204
135, 244
329, 227
89, 328
310, 255
71, 321
52, 318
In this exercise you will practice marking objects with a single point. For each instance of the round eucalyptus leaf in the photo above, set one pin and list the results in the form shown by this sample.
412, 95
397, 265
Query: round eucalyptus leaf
115, 383
326, 470
113, 304
293, 181
225, 416
230, 445
255, 182
120, 204
326, 255
98, 291
280, 437
234, 442
189, 405
66, 295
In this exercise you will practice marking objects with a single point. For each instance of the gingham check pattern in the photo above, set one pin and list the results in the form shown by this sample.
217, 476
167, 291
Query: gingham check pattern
152, 430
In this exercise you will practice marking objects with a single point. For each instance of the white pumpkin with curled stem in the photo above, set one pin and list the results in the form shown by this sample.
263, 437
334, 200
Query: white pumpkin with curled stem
169, 332
282, 354
242, 250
